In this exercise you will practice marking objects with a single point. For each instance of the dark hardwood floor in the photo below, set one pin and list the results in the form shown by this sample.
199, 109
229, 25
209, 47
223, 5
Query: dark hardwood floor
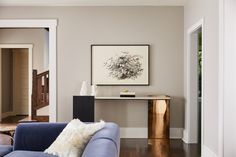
143, 148
157, 148
12, 120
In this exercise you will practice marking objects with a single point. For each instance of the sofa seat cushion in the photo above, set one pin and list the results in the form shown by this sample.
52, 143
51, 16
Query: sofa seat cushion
20, 153
5, 149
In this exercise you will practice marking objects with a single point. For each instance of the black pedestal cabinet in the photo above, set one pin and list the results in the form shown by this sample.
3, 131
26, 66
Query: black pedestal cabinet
83, 108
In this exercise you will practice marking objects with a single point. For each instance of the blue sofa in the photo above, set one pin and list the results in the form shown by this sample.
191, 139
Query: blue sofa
32, 139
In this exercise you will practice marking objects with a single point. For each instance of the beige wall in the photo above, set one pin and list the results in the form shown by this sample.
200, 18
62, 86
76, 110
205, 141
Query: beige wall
20, 81
7, 82
79, 27
27, 36
209, 10
15, 81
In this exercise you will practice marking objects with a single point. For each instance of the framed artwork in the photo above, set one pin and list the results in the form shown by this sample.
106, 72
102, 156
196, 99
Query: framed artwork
120, 64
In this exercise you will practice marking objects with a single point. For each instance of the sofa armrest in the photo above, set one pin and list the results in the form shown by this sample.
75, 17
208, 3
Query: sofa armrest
100, 148
104, 143
5, 149
36, 136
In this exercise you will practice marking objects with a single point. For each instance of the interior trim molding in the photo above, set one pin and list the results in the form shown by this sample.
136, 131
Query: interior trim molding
52, 25
133, 132
185, 136
30, 68
190, 121
221, 78
92, 3
207, 152
175, 133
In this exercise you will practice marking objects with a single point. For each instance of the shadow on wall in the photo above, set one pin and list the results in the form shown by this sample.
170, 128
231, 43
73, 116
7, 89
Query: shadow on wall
177, 110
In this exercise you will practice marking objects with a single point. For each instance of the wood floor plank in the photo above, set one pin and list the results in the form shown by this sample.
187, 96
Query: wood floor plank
157, 148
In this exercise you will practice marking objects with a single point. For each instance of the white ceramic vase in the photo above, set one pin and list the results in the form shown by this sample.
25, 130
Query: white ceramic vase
84, 88
94, 90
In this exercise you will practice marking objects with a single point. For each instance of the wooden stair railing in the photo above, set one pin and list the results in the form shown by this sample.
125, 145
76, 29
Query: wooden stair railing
40, 92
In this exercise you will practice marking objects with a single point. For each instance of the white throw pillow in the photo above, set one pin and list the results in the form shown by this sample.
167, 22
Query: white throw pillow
73, 139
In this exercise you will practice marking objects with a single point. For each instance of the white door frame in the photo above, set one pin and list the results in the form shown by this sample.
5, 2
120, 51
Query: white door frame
30, 68
189, 121
52, 25
227, 76
221, 78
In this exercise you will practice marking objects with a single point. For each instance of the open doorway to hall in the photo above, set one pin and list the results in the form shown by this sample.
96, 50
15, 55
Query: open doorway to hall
25, 96
199, 83
195, 89
15, 78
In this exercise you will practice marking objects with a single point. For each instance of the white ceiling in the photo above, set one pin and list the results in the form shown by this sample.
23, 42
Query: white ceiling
92, 2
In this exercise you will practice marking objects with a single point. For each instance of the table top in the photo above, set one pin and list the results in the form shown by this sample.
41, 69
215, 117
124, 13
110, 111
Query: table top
161, 97
6, 128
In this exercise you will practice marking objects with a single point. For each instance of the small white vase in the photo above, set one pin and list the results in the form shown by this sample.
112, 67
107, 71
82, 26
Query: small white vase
94, 90
84, 88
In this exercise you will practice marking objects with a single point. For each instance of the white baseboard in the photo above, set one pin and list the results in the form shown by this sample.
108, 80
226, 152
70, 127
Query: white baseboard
175, 133
207, 152
185, 136
7, 114
133, 132
188, 140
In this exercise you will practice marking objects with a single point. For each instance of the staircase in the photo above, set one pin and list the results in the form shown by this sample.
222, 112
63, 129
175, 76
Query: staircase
40, 94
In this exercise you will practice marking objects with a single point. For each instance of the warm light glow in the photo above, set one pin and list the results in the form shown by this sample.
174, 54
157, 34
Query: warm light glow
161, 106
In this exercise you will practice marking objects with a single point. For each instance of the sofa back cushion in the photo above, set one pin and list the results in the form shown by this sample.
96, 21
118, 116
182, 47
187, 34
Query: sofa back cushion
36, 136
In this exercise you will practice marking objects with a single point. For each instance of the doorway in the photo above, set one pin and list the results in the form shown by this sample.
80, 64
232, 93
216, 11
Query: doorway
194, 120
39, 37
51, 25
199, 82
16, 80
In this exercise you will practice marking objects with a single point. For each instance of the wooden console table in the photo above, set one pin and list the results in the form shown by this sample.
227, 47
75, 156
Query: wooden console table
158, 112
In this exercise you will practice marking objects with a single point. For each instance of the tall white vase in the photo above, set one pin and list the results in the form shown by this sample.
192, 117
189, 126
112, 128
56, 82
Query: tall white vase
84, 88
94, 90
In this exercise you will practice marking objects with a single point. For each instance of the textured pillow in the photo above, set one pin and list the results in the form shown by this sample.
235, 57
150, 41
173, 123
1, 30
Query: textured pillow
73, 139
